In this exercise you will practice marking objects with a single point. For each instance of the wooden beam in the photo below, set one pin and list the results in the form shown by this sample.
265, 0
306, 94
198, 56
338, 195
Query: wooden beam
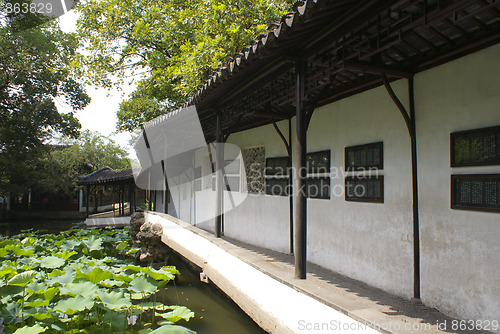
377, 69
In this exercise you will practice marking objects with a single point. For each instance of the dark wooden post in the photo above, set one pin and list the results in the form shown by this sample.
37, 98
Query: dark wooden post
131, 207
218, 177
87, 197
122, 190
290, 183
300, 175
414, 175
410, 124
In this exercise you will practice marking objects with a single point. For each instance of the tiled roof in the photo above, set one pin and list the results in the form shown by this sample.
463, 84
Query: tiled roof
107, 175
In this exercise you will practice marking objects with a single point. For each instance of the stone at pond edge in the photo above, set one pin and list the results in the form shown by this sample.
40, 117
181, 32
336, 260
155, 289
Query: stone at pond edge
147, 236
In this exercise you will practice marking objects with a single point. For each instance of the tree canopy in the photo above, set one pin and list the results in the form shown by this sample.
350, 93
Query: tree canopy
168, 46
59, 168
34, 76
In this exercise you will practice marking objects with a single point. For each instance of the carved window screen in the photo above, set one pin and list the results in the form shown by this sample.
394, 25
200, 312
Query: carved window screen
255, 163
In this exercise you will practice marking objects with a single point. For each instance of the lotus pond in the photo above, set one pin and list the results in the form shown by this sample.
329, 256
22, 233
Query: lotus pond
85, 281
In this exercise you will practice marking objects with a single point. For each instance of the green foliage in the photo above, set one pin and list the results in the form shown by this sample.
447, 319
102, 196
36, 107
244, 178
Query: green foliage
169, 46
33, 76
58, 168
82, 291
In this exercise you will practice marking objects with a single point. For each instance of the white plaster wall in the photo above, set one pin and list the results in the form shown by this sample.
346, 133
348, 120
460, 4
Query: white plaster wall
460, 249
366, 241
370, 242
261, 219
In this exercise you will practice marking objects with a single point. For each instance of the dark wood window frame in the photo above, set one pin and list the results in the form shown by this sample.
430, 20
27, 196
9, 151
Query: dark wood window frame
318, 173
481, 133
274, 177
273, 181
318, 170
318, 196
377, 145
361, 178
455, 178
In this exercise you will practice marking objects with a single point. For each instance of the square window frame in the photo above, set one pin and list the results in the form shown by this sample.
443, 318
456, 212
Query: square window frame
454, 135
366, 200
454, 206
380, 166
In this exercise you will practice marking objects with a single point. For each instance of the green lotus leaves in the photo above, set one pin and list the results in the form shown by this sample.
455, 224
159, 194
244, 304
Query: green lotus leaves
178, 313
73, 305
66, 254
22, 279
114, 300
82, 281
172, 329
95, 275
12, 313
52, 262
143, 284
84, 289
30, 329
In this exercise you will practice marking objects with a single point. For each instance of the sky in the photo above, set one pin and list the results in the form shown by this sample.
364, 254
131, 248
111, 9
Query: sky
100, 114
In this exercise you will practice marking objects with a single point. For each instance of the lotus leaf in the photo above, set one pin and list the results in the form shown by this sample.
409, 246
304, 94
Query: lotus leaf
178, 313
159, 275
30, 329
85, 289
93, 243
12, 313
143, 284
66, 254
22, 279
73, 305
3, 252
52, 262
114, 300
172, 329
95, 275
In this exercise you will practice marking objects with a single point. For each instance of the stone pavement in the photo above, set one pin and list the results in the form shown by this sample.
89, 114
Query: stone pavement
388, 313
343, 296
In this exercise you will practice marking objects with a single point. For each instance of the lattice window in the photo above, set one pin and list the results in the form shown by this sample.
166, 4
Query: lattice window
255, 163
476, 192
364, 188
318, 162
277, 186
317, 184
477, 147
277, 176
318, 187
364, 157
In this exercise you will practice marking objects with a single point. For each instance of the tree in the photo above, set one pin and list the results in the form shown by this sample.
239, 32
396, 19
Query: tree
59, 168
33, 76
170, 46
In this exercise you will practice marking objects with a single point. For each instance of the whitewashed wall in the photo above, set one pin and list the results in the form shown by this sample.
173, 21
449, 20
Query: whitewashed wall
460, 249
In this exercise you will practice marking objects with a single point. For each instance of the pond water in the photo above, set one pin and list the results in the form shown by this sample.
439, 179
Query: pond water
215, 313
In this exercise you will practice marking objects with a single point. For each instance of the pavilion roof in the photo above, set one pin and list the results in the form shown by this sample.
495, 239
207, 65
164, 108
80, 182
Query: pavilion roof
107, 175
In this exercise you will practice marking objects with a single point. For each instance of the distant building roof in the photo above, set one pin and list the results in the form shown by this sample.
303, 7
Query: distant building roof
107, 175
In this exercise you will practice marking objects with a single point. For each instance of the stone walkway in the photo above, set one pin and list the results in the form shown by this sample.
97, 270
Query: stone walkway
389, 314
367, 305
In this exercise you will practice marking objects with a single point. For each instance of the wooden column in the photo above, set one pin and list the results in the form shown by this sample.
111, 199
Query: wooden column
410, 124
87, 198
300, 175
290, 183
414, 176
218, 177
